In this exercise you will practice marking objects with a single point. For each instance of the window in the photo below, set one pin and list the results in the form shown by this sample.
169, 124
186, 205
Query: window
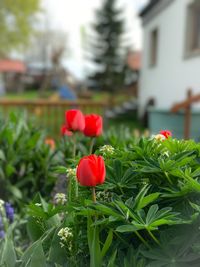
193, 29
153, 47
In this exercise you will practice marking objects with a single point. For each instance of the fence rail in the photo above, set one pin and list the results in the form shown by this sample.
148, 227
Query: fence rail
50, 114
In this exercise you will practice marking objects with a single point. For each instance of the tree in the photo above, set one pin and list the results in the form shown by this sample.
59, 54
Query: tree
46, 52
16, 21
108, 49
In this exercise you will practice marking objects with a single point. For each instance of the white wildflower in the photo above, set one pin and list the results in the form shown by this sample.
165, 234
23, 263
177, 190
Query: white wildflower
159, 137
60, 198
65, 234
107, 150
71, 173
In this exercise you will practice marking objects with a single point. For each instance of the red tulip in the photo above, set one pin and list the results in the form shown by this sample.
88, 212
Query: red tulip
93, 125
75, 120
65, 131
166, 133
91, 171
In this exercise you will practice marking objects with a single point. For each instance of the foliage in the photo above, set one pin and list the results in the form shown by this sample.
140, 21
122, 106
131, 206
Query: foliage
147, 211
26, 163
16, 22
107, 48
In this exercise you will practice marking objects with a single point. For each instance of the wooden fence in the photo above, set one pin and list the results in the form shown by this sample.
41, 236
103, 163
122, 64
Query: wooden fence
51, 114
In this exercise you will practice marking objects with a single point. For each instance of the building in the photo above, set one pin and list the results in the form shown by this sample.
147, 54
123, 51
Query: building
171, 56
11, 74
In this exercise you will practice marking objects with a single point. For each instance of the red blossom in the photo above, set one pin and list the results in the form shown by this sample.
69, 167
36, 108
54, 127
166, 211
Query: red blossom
166, 133
91, 171
93, 125
75, 120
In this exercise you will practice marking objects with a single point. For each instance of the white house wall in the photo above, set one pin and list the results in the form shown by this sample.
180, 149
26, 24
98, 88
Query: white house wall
173, 74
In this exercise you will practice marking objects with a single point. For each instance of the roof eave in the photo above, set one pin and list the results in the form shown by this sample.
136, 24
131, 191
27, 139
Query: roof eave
148, 8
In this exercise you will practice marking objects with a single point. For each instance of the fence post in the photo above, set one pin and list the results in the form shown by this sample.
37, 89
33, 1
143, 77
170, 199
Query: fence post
187, 123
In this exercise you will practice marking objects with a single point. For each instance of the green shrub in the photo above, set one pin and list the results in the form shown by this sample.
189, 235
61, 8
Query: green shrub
147, 212
27, 164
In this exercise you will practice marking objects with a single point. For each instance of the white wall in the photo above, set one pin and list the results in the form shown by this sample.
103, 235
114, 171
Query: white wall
169, 80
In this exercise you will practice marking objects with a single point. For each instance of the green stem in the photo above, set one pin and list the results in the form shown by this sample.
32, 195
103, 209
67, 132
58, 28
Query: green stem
76, 188
168, 178
94, 195
153, 237
142, 239
74, 146
91, 145
69, 189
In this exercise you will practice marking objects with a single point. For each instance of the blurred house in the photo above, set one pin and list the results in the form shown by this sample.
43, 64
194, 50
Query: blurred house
12, 73
171, 56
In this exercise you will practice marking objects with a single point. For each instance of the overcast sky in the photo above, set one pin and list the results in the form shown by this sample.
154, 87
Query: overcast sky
72, 15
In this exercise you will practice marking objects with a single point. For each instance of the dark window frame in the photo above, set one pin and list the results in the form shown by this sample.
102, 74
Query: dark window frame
154, 39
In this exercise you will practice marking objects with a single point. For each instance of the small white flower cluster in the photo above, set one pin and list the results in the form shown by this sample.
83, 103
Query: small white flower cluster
60, 199
159, 137
107, 150
71, 173
66, 235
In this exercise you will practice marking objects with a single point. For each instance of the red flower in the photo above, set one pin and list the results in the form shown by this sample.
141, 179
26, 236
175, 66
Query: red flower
91, 171
93, 125
166, 133
65, 131
75, 120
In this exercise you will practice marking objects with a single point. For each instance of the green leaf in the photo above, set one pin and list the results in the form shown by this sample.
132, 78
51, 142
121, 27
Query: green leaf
56, 253
94, 244
34, 256
2, 155
8, 256
10, 169
112, 259
107, 244
15, 191
126, 228
151, 213
34, 229
147, 200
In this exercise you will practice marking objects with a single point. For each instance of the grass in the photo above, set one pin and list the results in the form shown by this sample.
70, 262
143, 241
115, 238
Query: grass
25, 95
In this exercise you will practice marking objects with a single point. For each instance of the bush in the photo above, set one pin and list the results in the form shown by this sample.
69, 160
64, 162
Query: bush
27, 164
147, 212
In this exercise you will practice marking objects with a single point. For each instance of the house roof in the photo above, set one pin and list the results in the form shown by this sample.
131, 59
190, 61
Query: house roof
9, 65
148, 7
134, 60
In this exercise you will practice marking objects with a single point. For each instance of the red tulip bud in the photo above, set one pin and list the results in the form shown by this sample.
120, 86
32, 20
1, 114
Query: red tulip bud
75, 120
91, 171
65, 131
93, 125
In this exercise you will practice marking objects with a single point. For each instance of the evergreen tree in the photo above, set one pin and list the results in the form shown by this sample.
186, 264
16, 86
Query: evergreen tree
107, 48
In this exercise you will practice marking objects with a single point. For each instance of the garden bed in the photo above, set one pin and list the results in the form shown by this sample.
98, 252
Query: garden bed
142, 209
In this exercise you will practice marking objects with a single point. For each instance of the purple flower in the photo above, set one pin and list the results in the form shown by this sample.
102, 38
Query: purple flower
2, 234
9, 212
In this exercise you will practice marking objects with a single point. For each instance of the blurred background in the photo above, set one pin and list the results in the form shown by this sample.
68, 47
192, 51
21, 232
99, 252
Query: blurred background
136, 62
